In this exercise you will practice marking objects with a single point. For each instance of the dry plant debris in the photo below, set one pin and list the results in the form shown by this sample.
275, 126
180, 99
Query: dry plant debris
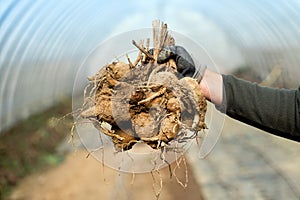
145, 100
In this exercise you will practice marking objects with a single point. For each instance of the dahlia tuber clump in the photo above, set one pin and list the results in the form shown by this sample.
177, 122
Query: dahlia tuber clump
145, 101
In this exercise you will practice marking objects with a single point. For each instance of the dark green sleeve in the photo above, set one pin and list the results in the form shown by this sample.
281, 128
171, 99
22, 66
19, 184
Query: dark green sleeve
276, 111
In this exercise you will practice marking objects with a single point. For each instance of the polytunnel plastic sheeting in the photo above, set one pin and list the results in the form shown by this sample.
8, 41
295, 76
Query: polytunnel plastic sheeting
265, 32
43, 43
42, 46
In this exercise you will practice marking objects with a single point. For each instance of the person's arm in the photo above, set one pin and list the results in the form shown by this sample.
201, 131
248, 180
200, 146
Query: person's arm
276, 111
211, 85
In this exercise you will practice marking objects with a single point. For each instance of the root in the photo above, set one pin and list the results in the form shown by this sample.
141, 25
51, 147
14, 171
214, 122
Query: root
92, 151
185, 184
157, 192
71, 140
162, 157
157, 94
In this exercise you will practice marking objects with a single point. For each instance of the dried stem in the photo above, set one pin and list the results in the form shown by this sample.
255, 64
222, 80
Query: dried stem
142, 50
129, 62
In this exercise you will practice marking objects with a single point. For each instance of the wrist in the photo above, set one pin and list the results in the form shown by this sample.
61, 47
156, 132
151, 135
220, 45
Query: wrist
203, 84
211, 86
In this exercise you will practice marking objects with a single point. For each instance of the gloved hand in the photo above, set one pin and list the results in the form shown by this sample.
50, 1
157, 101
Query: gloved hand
184, 62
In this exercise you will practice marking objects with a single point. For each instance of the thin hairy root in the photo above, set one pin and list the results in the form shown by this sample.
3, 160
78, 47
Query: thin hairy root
170, 170
133, 178
92, 151
163, 158
181, 159
72, 134
157, 192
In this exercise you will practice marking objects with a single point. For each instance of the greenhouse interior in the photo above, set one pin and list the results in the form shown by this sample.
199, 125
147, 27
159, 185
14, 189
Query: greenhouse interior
51, 51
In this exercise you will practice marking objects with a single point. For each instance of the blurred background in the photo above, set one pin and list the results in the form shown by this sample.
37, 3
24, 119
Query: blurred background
44, 43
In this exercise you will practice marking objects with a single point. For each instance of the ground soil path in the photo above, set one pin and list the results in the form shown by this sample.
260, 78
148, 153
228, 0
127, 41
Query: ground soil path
79, 178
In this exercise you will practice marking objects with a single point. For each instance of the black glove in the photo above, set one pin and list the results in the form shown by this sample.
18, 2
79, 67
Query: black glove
184, 62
